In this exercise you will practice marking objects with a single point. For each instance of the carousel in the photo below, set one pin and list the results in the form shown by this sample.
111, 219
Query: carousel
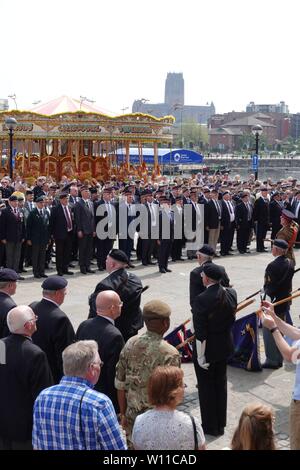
68, 137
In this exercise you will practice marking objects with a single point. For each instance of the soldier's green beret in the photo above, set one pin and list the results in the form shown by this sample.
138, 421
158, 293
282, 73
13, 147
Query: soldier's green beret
156, 309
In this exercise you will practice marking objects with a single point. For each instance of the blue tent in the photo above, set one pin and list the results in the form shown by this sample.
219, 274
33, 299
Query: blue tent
165, 156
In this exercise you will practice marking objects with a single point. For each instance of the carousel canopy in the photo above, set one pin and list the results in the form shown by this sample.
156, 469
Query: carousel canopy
65, 104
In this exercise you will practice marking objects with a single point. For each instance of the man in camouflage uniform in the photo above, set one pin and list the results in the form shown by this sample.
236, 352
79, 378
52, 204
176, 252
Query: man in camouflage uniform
288, 232
139, 357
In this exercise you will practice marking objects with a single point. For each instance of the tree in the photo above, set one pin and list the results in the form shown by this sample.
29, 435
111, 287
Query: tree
191, 134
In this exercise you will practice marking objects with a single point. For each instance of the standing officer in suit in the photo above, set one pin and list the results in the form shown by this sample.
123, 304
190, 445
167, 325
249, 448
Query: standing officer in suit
278, 285
12, 233
166, 234
227, 224
38, 237
213, 214
243, 217
124, 218
55, 330
213, 317
109, 339
105, 245
23, 376
128, 286
178, 243
275, 209
85, 225
8, 286
261, 216
204, 256
61, 229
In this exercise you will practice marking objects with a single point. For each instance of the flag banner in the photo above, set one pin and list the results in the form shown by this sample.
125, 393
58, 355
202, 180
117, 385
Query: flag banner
176, 337
246, 348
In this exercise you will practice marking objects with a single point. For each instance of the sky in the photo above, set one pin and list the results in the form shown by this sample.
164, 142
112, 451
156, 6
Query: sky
230, 52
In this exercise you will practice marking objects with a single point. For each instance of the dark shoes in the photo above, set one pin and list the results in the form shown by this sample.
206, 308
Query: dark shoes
83, 271
162, 271
43, 275
90, 271
267, 365
168, 270
68, 272
213, 432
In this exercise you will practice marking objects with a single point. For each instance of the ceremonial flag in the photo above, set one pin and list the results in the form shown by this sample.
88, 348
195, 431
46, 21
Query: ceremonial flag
245, 338
176, 337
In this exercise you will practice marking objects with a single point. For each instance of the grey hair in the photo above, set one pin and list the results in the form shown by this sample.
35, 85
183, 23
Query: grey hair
206, 257
78, 356
17, 317
4, 284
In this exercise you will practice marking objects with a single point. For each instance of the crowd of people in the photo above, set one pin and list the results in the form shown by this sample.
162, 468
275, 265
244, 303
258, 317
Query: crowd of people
62, 389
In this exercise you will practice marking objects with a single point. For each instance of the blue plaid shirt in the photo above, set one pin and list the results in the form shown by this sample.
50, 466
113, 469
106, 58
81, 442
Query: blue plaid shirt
56, 423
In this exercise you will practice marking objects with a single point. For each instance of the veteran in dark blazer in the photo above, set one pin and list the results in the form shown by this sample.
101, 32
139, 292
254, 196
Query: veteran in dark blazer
110, 341
8, 286
55, 331
23, 376
204, 255
12, 232
128, 286
37, 230
61, 229
213, 317
85, 226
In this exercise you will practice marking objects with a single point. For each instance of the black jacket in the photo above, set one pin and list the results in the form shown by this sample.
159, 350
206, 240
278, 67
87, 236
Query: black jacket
213, 317
84, 217
278, 280
110, 343
6, 304
58, 227
129, 288
54, 333
12, 226
24, 375
37, 227
261, 211
196, 284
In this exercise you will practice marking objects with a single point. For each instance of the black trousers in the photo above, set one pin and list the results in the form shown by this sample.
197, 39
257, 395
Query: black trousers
226, 237
212, 390
261, 233
242, 237
103, 248
163, 253
38, 256
85, 246
147, 249
126, 245
63, 253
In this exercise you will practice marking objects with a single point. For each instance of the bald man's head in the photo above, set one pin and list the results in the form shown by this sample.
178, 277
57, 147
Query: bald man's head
108, 304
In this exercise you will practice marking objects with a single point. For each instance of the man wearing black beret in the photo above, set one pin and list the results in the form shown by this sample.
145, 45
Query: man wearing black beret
55, 331
8, 286
129, 288
213, 317
204, 256
277, 285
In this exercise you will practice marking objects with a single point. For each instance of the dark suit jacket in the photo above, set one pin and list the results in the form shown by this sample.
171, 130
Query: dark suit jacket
196, 284
25, 374
38, 228
241, 216
129, 288
261, 211
98, 218
211, 215
12, 227
58, 224
54, 333
110, 343
278, 280
84, 217
213, 317
6, 304
275, 213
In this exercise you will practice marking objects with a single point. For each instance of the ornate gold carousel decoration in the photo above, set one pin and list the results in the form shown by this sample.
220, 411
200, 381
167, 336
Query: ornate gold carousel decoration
81, 143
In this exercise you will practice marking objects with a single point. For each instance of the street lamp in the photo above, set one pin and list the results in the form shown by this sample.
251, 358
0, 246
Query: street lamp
256, 131
11, 123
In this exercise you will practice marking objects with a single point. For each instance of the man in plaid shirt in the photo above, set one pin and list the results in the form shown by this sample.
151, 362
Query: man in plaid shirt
73, 416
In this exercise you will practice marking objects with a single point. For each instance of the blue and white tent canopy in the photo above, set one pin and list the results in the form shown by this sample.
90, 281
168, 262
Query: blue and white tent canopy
165, 156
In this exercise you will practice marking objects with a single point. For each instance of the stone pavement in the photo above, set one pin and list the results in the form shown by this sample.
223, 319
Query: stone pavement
246, 273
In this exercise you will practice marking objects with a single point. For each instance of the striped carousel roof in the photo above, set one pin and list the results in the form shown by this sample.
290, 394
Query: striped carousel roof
65, 104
